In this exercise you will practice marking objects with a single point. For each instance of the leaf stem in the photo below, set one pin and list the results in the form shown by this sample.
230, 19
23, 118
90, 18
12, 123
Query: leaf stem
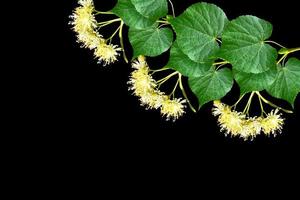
122, 42
163, 22
221, 63
270, 41
172, 7
282, 58
220, 41
184, 94
220, 67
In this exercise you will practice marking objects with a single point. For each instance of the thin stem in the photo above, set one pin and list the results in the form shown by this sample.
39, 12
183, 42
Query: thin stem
172, 7
104, 13
286, 53
111, 37
250, 101
158, 70
283, 57
220, 41
293, 50
161, 81
173, 91
221, 63
220, 67
238, 101
161, 26
283, 61
246, 110
273, 105
270, 41
122, 42
261, 106
109, 22
184, 94
163, 22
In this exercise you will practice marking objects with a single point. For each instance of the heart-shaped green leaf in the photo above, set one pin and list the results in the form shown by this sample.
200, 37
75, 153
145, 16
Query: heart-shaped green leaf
287, 83
244, 47
249, 82
151, 9
182, 63
212, 85
150, 41
127, 11
197, 31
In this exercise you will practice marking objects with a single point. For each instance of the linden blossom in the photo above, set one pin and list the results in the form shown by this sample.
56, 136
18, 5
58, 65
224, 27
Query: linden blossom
145, 87
107, 53
237, 124
85, 24
255, 68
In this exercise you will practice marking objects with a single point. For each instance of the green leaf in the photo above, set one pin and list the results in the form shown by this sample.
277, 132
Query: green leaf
197, 30
151, 41
182, 63
249, 82
244, 47
287, 82
212, 85
152, 9
131, 17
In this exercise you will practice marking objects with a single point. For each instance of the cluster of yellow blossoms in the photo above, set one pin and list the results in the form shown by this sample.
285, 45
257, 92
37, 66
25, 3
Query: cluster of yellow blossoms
237, 124
85, 24
145, 87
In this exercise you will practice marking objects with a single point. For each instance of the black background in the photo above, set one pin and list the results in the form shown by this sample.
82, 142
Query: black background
97, 111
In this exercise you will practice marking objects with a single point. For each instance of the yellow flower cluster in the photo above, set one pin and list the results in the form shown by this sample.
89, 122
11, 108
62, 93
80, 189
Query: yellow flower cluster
84, 24
237, 124
145, 87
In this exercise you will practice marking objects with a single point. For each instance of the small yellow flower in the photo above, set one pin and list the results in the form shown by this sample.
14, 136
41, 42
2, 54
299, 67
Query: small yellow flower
153, 99
145, 87
236, 123
230, 121
218, 109
140, 63
173, 109
84, 24
107, 53
250, 128
141, 82
90, 39
272, 123
86, 2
